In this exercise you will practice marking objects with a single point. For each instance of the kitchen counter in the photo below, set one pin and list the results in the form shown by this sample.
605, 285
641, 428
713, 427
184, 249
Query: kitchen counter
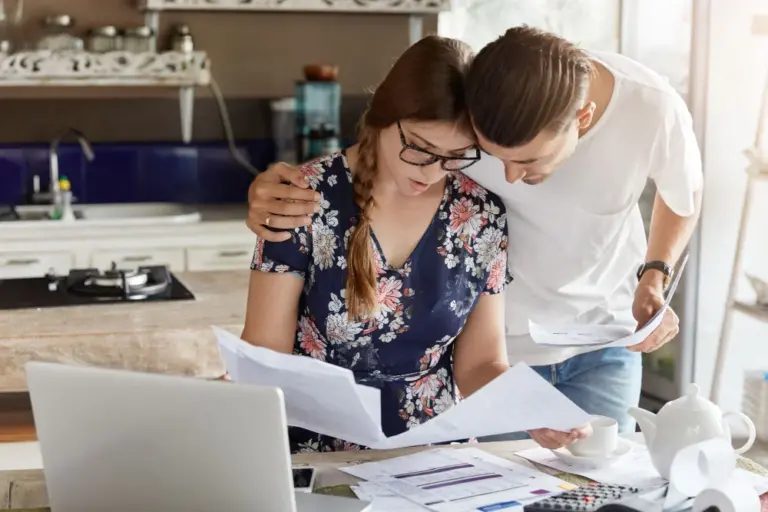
167, 337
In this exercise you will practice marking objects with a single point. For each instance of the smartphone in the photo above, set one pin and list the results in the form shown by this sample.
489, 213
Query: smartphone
304, 479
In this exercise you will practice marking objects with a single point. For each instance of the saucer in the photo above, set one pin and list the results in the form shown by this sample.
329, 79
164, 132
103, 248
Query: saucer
623, 447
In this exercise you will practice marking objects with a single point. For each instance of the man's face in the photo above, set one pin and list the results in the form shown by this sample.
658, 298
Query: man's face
534, 162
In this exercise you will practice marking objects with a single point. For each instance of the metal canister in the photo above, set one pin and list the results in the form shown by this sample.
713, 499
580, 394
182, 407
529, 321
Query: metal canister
138, 39
182, 40
104, 39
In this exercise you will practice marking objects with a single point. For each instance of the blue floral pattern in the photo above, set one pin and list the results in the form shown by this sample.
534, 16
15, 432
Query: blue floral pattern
406, 350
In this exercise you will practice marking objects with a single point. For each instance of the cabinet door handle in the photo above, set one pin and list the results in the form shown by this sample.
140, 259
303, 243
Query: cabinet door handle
137, 258
20, 262
232, 254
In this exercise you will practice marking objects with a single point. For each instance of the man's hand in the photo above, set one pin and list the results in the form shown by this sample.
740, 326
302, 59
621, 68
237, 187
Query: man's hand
554, 439
649, 298
280, 198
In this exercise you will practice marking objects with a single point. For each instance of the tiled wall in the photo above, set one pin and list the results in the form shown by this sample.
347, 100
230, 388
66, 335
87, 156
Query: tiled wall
197, 173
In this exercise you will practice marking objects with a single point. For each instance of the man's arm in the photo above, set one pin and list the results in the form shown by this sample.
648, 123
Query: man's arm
678, 177
668, 237
280, 198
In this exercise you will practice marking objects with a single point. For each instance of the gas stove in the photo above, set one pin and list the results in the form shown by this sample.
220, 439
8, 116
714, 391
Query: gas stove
82, 287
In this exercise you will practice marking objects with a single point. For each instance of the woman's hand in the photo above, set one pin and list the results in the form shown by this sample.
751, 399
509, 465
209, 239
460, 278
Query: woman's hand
554, 439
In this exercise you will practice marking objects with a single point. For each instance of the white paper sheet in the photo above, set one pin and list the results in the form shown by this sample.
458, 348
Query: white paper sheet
580, 335
460, 480
384, 500
634, 469
325, 398
318, 396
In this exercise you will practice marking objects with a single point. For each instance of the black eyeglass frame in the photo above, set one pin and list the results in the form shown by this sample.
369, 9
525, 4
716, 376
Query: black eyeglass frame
435, 157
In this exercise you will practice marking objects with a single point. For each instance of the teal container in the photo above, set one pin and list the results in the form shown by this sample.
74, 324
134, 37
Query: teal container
318, 107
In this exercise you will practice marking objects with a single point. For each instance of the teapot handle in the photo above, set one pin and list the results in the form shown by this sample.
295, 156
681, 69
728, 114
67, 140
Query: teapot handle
751, 426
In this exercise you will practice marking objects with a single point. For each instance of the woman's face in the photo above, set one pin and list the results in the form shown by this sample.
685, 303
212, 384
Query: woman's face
422, 139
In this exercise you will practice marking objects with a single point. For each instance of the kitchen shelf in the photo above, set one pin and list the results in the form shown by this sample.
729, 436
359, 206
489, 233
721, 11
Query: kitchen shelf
180, 70
357, 6
84, 69
756, 311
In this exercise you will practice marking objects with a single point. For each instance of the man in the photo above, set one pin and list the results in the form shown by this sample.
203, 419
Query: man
571, 140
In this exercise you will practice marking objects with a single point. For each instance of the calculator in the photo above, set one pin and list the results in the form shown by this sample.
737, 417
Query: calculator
584, 499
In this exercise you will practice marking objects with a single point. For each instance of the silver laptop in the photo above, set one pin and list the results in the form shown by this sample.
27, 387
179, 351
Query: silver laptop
124, 441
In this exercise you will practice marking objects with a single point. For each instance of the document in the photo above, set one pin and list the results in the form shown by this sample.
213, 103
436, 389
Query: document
460, 480
325, 398
383, 500
634, 469
580, 335
318, 396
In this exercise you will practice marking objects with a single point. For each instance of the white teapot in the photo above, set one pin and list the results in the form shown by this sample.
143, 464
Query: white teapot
683, 422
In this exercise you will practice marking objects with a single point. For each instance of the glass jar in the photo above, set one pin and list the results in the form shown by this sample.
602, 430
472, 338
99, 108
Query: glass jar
58, 35
104, 39
138, 39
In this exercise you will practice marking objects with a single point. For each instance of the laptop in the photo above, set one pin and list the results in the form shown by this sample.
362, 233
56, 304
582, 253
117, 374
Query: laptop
125, 441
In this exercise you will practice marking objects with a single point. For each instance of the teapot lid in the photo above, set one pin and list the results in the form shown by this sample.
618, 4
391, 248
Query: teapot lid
692, 401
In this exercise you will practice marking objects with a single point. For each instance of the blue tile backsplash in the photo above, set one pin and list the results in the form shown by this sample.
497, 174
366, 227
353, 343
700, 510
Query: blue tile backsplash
195, 173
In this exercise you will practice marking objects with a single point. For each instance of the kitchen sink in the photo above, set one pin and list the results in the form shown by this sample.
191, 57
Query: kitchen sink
105, 215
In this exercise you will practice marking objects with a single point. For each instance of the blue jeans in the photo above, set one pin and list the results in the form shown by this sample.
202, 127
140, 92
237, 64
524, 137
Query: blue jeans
605, 382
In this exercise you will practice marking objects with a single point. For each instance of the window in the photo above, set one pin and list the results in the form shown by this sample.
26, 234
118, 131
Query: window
593, 24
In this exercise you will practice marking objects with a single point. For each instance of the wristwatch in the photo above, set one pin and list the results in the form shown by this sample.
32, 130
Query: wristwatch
656, 265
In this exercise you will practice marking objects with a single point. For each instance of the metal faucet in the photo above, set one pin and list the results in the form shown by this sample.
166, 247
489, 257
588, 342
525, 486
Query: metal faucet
54, 189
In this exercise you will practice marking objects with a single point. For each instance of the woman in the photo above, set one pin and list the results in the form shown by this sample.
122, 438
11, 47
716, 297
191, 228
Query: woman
398, 277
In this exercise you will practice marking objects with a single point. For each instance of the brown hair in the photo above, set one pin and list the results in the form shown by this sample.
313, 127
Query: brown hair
426, 83
525, 82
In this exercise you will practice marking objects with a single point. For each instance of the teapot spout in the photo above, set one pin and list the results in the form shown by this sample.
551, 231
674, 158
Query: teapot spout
647, 422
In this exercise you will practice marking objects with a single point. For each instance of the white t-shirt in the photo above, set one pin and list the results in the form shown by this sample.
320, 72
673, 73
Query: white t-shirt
577, 239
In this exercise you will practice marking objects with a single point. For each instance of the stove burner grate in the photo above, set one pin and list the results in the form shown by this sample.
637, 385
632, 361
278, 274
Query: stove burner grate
135, 284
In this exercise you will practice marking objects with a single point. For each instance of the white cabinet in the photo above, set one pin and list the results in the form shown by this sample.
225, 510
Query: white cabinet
236, 257
34, 264
174, 258
187, 247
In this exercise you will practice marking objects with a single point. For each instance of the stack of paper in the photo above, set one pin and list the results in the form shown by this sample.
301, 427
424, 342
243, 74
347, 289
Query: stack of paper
635, 469
580, 335
452, 480
324, 398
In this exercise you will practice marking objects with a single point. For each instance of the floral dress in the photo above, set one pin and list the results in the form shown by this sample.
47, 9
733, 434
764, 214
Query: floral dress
406, 350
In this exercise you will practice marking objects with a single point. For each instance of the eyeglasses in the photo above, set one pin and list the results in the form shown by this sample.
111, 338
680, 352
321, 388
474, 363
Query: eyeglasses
414, 155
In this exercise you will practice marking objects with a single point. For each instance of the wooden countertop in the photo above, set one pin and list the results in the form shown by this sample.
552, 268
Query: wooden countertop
164, 337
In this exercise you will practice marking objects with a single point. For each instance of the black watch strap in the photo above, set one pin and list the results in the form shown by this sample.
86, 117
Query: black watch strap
656, 265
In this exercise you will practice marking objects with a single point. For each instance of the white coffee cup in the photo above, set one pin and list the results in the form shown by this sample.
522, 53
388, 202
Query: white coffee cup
602, 442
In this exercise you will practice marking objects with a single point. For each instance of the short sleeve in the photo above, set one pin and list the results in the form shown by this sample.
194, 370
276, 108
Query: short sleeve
291, 256
491, 248
676, 165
